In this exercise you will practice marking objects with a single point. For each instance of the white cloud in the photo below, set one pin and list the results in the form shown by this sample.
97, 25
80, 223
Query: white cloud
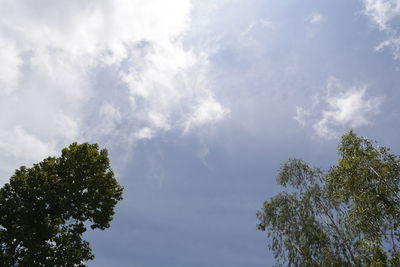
19, 143
393, 43
9, 69
349, 109
159, 120
52, 53
340, 109
383, 13
315, 18
302, 115
144, 133
207, 111
66, 126
315, 21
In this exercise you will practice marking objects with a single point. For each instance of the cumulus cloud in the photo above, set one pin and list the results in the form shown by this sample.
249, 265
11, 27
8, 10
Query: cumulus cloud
53, 54
349, 109
206, 111
384, 13
341, 108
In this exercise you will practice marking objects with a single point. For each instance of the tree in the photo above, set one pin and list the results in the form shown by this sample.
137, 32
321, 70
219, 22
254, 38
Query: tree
44, 210
346, 216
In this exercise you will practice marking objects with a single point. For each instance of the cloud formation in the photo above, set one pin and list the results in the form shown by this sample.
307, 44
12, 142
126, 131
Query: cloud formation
53, 53
315, 18
384, 13
341, 108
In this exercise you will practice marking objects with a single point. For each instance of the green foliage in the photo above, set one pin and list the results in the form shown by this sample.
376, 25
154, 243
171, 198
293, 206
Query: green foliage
44, 210
348, 216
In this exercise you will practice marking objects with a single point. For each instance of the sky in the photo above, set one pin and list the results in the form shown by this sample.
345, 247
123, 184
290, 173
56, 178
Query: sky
199, 104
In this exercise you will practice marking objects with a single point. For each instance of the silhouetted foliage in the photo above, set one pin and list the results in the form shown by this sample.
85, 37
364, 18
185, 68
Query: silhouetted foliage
44, 210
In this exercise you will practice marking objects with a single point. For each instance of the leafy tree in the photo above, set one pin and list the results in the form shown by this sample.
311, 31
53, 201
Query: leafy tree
346, 216
44, 210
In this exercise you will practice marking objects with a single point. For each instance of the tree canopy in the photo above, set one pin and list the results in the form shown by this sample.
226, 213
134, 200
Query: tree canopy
346, 216
45, 209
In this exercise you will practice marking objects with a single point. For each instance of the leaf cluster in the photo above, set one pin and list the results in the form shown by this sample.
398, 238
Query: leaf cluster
347, 216
45, 209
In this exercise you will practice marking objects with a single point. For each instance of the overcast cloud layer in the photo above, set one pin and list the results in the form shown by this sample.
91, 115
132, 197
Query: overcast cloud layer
199, 103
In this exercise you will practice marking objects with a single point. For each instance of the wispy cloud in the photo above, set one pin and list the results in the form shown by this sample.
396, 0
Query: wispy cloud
315, 18
263, 23
383, 13
393, 43
339, 109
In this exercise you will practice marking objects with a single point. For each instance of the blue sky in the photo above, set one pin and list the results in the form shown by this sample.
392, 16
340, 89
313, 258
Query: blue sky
199, 104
